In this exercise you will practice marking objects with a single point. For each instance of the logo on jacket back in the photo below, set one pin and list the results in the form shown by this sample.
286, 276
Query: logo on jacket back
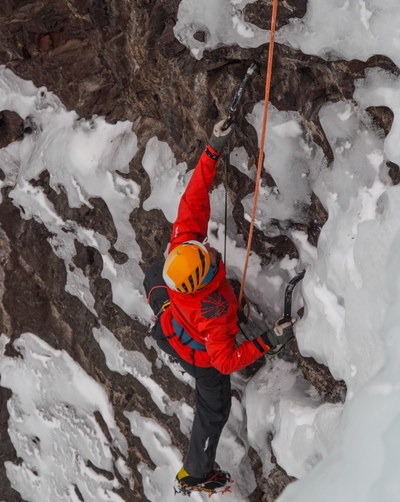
214, 306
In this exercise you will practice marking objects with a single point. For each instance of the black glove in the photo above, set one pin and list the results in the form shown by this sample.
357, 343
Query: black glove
219, 138
282, 333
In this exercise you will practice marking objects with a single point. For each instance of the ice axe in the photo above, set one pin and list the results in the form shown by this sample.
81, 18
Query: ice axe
238, 96
230, 119
287, 311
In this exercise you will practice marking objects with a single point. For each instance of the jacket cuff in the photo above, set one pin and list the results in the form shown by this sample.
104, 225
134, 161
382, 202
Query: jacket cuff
212, 153
261, 345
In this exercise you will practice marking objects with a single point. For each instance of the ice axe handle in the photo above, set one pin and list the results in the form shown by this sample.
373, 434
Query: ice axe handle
238, 97
228, 122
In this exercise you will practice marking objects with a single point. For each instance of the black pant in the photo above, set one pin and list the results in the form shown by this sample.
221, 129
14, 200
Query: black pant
213, 391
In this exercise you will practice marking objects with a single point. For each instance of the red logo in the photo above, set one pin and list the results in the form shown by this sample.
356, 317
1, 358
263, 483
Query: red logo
214, 306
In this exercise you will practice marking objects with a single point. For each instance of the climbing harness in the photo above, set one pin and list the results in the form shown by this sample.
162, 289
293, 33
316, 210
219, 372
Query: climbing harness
179, 331
155, 318
185, 338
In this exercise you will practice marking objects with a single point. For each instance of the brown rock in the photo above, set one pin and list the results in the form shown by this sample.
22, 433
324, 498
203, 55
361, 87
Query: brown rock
11, 127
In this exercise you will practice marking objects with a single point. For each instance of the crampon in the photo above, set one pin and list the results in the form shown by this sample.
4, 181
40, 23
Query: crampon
218, 482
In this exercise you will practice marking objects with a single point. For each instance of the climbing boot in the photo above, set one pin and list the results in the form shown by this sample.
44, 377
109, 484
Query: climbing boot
216, 481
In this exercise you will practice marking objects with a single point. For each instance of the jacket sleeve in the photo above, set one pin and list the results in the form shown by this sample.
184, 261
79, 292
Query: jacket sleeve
225, 355
194, 207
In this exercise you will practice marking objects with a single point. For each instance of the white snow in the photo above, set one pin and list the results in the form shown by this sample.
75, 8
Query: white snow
350, 293
53, 428
346, 29
220, 22
165, 177
85, 164
291, 162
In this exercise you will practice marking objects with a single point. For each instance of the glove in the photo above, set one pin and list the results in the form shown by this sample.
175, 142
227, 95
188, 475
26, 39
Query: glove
282, 333
219, 138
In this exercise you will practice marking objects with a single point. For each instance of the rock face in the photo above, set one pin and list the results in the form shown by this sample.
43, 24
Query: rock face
120, 59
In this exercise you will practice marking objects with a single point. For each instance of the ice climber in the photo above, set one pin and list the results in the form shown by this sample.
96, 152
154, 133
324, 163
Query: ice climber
199, 325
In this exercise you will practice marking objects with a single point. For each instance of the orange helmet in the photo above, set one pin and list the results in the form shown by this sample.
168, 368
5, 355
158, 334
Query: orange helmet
186, 267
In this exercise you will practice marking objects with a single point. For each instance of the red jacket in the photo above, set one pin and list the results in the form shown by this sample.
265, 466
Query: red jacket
209, 315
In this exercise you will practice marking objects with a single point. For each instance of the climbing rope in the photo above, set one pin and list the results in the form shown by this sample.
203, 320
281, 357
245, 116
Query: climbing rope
262, 142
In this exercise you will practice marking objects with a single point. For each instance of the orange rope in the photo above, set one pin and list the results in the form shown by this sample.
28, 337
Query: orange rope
260, 157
